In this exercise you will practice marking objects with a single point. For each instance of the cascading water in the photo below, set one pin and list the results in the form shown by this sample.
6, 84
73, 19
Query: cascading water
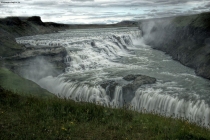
109, 54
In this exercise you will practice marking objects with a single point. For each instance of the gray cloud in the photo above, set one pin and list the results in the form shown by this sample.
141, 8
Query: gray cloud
102, 11
82, 0
44, 3
207, 5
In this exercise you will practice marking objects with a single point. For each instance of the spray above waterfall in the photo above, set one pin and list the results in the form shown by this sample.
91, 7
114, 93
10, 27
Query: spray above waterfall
98, 60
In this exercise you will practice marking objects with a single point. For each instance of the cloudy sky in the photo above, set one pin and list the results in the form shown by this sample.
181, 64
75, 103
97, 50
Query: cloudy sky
100, 11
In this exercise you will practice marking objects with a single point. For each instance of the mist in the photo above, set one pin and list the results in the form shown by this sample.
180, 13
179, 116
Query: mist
38, 68
154, 31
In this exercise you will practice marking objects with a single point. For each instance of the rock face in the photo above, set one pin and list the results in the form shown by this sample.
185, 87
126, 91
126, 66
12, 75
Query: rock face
13, 27
109, 86
185, 38
133, 82
18, 57
130, 77
136, 81
41, 61
36, 20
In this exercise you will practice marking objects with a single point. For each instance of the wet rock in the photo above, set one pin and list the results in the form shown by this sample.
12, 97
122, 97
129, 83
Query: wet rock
93, 44
109, 86
203, 71
137, 81
130, 77
119, 40
128, 90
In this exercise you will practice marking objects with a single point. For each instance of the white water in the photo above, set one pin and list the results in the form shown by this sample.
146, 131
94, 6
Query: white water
97, 55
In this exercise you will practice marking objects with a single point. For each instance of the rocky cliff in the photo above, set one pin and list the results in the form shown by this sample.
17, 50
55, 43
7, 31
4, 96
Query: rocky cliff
185, 38
18, 57
13, 27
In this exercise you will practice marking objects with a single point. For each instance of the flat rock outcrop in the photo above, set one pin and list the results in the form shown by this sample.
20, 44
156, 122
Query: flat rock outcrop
137, 81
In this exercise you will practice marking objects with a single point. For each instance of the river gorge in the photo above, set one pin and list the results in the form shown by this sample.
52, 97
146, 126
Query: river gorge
114, 67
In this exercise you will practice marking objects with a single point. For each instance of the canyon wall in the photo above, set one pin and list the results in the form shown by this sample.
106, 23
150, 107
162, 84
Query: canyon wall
185, 38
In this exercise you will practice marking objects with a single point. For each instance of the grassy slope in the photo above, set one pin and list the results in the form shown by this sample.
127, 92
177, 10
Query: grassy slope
8, 45
19, 85
34, 118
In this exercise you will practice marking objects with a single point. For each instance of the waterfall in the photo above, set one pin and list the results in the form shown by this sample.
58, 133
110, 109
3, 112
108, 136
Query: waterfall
109, 54
118, 99
153, 101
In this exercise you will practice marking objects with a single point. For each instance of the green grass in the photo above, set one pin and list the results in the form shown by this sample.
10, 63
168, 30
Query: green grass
19, 85
8, 47
24, 117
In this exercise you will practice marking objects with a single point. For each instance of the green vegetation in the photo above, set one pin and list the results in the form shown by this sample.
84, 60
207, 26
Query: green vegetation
8, 46
24, 117
19, 85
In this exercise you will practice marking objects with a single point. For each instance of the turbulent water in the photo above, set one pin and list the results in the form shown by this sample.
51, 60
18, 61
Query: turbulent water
97, 55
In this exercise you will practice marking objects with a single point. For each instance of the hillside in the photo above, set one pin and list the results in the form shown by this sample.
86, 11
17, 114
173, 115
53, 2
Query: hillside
21, 86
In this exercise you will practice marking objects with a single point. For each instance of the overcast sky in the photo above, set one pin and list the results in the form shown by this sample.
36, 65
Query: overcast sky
100, 11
